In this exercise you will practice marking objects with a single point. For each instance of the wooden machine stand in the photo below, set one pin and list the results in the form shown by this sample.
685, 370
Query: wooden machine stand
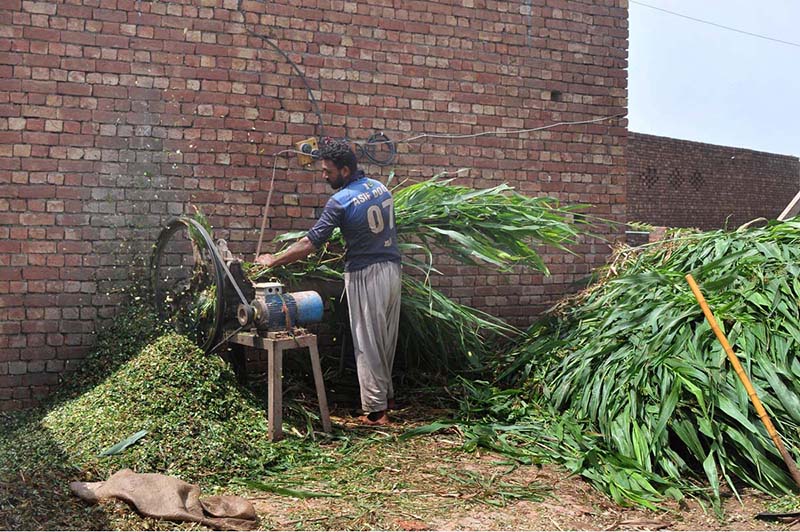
275, 343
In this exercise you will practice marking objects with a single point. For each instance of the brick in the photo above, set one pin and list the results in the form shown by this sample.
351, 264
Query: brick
40, 34
74, 63
40, 272
78, 37
114, 67
54, 366
17, 368
74, 89
10, 274
43, 8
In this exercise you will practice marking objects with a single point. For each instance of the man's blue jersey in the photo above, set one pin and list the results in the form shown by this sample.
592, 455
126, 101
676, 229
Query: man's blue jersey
364, 211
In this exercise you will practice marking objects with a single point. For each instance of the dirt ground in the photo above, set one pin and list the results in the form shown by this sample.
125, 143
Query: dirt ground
429, 483
425, 483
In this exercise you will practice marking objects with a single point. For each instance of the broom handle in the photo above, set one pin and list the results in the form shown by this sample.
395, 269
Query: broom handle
737, 366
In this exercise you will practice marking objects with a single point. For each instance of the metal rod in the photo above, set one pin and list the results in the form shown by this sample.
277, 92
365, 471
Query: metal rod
264, 219
269, 201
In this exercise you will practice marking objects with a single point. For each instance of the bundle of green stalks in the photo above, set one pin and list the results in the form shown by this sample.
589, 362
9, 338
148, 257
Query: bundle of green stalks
497, 228
632, 366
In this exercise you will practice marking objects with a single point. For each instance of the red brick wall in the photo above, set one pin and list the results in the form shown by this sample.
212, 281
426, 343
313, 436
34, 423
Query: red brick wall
117, 114
678, 183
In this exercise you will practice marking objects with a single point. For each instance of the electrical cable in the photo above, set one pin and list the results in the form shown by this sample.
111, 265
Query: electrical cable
393, 151
497, 131
509, 131
368, 150
751, 34
292, 63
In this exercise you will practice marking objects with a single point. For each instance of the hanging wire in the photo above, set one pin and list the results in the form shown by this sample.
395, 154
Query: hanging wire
300, 73
380, 138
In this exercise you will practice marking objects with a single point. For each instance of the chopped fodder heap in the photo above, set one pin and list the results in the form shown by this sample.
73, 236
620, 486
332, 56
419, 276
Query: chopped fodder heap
200, 425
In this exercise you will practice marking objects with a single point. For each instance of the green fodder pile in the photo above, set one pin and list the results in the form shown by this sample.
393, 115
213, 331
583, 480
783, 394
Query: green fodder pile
200, 425
641, 364
627, 385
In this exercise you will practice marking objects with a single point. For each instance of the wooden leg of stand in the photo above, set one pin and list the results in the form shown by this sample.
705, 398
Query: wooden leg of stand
320, 385
275, 392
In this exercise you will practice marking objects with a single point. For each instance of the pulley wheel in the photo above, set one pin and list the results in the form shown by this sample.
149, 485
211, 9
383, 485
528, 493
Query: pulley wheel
187, 281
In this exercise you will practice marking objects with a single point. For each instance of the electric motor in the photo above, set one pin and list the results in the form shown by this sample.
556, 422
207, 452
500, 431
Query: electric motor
272, 310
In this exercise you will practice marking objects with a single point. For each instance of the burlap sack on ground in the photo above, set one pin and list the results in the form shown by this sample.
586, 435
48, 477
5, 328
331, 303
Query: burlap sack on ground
164, 497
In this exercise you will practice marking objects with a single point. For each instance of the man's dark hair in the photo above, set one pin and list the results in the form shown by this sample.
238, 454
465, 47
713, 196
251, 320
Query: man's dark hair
338, 152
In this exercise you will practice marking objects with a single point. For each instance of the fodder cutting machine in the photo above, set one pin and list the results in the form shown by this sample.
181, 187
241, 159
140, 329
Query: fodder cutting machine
201, 290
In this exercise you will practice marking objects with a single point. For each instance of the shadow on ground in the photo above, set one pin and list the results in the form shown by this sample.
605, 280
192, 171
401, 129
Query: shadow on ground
34, 482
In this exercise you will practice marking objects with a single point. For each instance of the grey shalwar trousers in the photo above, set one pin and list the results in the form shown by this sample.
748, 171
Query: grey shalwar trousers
373, 299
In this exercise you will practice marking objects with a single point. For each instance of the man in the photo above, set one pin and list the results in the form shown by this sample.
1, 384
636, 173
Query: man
364, 211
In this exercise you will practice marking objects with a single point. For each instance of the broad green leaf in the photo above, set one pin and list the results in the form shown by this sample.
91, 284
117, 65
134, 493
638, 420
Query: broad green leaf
124, 444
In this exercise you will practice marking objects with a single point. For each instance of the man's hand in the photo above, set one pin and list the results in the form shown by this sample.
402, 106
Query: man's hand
266, 259
297, 251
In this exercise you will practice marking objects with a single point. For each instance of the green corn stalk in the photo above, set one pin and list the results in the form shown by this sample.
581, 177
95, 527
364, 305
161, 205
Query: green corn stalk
497, 228
633, 361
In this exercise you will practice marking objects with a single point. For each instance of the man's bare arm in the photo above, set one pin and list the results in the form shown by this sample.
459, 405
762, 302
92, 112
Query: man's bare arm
297, 251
